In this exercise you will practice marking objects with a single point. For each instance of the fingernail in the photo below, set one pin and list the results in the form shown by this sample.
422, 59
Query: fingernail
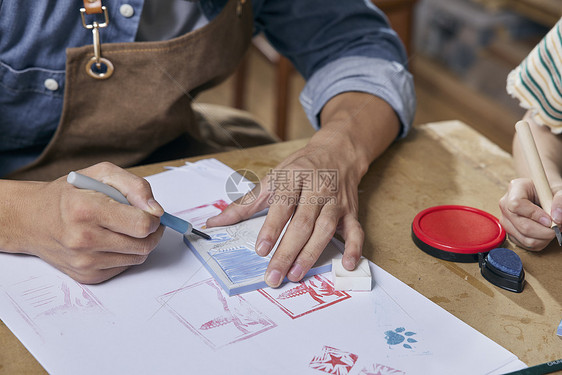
296, 272
349, 263
154, 206
557, 215
545, 221
273, 278
263, 248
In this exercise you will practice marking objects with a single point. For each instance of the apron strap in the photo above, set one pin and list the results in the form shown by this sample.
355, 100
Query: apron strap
92, 6
98, 67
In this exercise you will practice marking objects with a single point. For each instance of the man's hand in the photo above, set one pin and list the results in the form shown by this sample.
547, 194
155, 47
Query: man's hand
85, 234
315, 190
314, 213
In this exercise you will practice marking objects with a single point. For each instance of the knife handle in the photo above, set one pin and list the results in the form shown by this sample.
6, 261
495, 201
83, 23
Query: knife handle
535, 165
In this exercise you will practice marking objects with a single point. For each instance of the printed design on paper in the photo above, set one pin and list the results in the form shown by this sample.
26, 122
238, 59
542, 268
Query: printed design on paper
224, 320
334, 361
299, 299
398, 336
40, 297
378, 369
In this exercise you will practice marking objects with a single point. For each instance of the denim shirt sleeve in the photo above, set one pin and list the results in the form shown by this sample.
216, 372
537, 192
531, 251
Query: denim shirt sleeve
388, 80
339, 46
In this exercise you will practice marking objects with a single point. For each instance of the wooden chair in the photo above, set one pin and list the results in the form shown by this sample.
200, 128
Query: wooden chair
400, 15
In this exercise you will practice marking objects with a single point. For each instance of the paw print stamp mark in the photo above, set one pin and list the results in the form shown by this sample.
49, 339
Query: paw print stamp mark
398, 336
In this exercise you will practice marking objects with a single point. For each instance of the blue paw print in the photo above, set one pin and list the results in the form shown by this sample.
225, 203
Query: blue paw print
398, 336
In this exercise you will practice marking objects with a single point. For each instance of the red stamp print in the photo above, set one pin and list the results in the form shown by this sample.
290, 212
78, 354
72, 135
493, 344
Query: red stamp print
198, 216
378, 369
225, 320
39, 298
310, 295
334, 361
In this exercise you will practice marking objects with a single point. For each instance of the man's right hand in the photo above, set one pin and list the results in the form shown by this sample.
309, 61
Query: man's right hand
83, 233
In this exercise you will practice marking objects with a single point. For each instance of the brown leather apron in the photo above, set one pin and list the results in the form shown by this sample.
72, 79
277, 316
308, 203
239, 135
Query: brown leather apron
143, 112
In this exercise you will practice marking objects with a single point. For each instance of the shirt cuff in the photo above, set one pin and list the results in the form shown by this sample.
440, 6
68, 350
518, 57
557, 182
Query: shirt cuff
388, 80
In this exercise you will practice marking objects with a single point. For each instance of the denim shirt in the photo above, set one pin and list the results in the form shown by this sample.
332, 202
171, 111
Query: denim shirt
337, 46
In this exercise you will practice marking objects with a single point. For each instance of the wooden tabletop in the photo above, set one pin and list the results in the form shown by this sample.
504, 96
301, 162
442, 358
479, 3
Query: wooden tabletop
439, 163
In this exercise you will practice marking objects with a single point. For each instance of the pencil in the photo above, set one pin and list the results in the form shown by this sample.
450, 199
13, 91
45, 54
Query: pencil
84, 182
537, 170
544, 368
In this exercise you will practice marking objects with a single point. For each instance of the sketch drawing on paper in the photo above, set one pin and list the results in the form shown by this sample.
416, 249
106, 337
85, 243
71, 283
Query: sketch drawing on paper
334, 361
39, 297
378, 369
398, 336
231, 258
220, 237
223, 321
299, 299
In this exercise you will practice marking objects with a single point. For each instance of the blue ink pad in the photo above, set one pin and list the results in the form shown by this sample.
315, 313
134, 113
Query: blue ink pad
456, 233
503, 267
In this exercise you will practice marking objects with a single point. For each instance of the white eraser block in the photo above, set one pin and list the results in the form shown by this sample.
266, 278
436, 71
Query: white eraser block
357, 280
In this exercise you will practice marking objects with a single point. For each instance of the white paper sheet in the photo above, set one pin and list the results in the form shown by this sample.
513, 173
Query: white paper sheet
168, 315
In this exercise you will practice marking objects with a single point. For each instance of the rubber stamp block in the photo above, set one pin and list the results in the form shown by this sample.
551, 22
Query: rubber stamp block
357, 280
230, 256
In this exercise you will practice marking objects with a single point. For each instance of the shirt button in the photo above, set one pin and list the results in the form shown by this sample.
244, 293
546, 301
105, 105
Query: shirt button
51, 84
126, 10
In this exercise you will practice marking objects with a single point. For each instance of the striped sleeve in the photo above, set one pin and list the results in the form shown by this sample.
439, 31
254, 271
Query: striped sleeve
536, 82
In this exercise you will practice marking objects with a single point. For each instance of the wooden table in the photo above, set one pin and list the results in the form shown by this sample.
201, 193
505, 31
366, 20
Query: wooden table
439, 163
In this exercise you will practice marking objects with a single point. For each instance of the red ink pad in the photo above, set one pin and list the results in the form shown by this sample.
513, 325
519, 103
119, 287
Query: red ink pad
456, 233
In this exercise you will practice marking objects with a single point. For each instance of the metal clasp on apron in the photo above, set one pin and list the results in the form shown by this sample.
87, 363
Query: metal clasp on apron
239, 7
97, 67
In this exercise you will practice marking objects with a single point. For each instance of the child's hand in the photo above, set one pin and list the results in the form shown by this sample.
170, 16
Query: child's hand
527, 224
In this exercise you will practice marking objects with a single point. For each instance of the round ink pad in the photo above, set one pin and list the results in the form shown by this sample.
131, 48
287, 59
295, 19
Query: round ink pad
456, 233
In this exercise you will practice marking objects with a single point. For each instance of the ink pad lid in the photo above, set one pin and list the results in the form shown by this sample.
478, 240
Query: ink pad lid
456, 233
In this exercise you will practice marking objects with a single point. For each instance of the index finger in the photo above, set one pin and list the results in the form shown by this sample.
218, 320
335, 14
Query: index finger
519, 203
136, 189
241, 209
